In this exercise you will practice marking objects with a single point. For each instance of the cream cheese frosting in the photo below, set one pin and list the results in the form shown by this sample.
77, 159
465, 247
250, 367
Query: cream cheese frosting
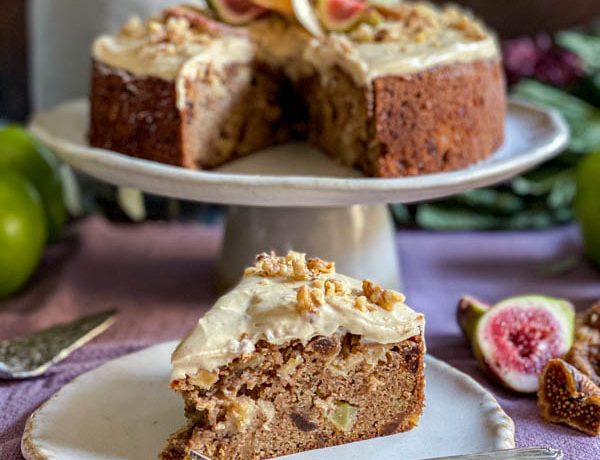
278, 307
415, 38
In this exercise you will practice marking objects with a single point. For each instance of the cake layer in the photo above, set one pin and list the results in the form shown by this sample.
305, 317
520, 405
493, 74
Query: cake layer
291, 298
227, 115
285, 399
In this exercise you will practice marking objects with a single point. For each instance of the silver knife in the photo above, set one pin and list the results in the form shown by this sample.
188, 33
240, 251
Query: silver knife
532, 453
32, 355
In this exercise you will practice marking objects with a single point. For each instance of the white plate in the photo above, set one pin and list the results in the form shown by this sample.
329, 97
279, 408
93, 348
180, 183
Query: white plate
296, 174
124, 410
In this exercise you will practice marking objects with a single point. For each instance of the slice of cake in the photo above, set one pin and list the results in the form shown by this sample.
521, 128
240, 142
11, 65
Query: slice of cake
184, 89
408, 89
297, 357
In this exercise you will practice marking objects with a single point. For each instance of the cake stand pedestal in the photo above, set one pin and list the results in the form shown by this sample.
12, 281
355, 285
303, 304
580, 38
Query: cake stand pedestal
359, 238
293, 197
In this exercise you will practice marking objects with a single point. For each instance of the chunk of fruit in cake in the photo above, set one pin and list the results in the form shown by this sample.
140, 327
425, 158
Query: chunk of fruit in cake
292, 359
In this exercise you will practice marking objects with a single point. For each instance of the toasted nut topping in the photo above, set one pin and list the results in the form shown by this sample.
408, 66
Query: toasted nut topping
308, 299
294, 266
361, 303
385, 298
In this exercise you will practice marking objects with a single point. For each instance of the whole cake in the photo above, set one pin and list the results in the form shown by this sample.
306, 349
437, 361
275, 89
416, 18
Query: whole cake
392, 90
297, 357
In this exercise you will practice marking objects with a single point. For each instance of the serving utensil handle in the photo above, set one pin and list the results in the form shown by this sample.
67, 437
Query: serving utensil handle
532, 453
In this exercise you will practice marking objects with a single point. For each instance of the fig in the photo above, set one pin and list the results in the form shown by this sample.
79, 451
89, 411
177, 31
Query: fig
237, 12
340, 15
568, 396
515, 339
468, 313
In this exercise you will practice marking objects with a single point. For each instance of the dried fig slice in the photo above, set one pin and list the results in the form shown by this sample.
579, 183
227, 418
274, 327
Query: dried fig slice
570, 397
585, 352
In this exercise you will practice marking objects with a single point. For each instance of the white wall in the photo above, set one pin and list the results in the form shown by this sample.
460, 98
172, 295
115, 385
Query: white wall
60, 35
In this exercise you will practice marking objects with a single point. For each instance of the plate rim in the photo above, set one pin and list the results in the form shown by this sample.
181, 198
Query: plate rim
496, 416
78, 154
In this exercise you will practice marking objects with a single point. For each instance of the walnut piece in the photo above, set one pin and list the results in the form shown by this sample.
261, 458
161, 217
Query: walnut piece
294, 266
384, 298
308, 299
570, 397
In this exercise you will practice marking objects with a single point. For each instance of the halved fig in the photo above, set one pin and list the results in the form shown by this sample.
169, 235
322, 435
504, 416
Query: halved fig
340, 15
236, 12
515, 339
570, 397
468, 313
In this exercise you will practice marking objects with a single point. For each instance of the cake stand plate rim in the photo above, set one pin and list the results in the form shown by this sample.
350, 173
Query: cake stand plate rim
48, 433
62, 130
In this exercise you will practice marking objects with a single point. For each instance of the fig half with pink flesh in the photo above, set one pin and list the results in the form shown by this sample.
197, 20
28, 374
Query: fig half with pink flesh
468, 313
515, 339
340, 15
236, 12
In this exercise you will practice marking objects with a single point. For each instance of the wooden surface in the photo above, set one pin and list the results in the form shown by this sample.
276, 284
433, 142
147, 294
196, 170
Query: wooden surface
509, 17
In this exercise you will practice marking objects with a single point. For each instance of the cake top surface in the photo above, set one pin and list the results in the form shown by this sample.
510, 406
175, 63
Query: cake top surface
399, 39
293, 298
163, 46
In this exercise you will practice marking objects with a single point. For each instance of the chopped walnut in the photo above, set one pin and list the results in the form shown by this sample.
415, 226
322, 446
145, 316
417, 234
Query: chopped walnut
134, 28
156, 32
361, 303
320, 266
308, 299
293, 266
385, 298
177, 30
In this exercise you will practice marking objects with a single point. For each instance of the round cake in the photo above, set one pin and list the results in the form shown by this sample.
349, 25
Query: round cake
391, 90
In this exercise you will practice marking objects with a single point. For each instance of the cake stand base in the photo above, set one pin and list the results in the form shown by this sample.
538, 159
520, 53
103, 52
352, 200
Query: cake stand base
360, 239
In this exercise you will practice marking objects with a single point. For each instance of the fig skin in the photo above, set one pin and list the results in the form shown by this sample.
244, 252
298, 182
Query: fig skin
564, 313
357, 7
468, 313
229, 16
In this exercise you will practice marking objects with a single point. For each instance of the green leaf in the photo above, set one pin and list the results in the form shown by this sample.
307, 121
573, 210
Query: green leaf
583, 118
587, 47
435, 216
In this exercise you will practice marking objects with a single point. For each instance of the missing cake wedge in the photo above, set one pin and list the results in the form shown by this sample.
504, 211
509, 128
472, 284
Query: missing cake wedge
297, 357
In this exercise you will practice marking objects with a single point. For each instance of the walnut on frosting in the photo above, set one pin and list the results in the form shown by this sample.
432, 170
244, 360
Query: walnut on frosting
384, 298
294, 266
309, 299
420, 23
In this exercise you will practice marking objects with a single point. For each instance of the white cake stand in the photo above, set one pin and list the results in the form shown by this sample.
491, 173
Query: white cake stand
294, 197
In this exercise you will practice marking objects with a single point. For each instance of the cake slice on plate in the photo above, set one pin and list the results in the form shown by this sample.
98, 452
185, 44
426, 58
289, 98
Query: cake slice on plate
297, 357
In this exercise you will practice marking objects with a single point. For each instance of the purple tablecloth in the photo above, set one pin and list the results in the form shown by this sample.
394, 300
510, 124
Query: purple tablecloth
160, 277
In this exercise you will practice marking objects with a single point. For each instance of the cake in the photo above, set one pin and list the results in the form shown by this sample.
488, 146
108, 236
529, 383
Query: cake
406, 90
297, 357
